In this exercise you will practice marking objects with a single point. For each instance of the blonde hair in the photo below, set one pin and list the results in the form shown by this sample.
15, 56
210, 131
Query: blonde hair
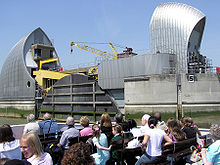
33, 140
84, 121
105, 120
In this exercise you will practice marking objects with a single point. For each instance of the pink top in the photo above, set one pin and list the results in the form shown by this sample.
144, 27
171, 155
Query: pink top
87, 131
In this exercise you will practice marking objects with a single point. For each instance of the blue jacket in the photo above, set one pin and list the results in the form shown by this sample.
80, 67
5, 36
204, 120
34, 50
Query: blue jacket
45, 125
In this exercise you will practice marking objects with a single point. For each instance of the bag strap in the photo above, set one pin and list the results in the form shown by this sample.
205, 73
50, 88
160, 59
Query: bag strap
50, 126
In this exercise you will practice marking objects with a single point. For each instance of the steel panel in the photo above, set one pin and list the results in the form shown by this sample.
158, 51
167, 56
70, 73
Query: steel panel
171, 29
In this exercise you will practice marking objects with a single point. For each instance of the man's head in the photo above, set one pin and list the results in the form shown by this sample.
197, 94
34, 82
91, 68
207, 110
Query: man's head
70, 121
144, 119
30, 118
47, 116
157, 115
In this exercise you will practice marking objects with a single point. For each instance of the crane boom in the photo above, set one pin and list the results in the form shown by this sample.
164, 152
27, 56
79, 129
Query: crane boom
96, 51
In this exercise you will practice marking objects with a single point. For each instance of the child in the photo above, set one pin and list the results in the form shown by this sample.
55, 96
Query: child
100, 141
117, 132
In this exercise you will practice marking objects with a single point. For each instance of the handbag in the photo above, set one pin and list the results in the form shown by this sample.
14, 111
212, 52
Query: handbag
196, 155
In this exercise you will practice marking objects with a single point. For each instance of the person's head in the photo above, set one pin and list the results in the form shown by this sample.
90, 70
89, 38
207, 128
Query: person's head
173, 125
132, 123
118, 118
47, 116
17, 162
78, 154
152, 122
84, 121
187, 121
30, 118
6, 134
215, 131
96, 130
144, 119
70, 121
3, 160
105, 120
157, 115
30, 145
125, 126
116, 129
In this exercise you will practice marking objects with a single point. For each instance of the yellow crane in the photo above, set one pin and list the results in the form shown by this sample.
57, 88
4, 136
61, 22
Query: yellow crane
96, 51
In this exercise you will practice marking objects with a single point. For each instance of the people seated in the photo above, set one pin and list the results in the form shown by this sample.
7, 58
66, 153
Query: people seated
106, 126
133, 128
126, 131
9, 146
161, 124
32, 125
188, 127
70, 132
211, 155
174, 130
48, 125
32, 150
87, 130
78, 154
117, 132
153, 140
118, 119
144, 122
101, 143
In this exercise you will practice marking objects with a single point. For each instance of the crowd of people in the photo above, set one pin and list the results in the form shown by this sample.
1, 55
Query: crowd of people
155, 133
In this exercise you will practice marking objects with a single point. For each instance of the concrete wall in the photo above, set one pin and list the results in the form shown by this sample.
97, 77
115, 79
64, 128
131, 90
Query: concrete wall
159, 93
22, 104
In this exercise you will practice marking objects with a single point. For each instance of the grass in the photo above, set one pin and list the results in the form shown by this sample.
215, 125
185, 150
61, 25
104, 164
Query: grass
14, 112
166, 116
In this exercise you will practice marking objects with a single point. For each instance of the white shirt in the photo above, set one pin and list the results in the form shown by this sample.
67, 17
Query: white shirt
136, 132
32, 127
10, 150
154, 142
44, 160
144, 129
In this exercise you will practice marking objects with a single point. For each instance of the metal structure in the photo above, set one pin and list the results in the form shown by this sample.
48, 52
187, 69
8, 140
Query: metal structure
17, 83
177, 29
96, 51
77, 95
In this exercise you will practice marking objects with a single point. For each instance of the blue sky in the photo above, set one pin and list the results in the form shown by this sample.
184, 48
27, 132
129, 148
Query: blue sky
124, 22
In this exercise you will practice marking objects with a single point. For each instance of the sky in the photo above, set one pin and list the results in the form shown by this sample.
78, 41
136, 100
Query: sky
121, 22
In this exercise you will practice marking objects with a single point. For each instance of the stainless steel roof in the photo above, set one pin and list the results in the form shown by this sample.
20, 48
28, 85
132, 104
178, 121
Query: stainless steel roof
176, 28
16, 81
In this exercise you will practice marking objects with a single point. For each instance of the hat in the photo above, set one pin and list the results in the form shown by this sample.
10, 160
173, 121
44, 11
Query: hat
17, 162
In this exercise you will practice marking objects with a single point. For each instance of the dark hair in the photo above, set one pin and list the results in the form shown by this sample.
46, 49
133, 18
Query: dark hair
152, 122
78, 154
125, 126
6, 134
157, 115
132, 123
118, 118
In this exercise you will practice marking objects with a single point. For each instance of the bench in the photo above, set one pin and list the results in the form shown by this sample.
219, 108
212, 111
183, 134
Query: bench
78, 139
175, 151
